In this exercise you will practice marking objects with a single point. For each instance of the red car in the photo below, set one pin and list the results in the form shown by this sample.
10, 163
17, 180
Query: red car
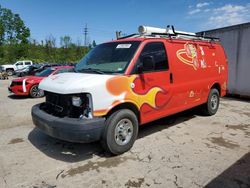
29, 85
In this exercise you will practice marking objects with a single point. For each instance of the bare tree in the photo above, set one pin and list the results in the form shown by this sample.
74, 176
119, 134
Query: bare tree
65, 41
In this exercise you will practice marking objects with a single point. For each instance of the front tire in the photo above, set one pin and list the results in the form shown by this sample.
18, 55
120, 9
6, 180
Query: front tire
10, 72
35, 92
212, 105
120, 132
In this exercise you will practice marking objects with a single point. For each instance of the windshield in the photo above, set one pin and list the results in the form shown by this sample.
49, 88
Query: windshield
63, 70
111, 57
45, 72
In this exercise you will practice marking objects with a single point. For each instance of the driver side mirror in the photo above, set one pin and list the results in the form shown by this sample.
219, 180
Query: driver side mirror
146, 63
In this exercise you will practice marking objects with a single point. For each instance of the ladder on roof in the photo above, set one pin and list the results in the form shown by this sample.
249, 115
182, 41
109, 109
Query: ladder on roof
147, 31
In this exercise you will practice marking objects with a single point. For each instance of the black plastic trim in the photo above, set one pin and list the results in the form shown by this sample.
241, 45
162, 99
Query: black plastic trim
69, 129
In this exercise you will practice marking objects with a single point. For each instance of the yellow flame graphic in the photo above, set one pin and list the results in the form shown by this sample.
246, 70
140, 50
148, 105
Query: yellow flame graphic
123, 85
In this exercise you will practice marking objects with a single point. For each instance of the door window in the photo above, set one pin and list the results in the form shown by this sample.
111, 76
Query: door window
19, 63
27, 63
156, 53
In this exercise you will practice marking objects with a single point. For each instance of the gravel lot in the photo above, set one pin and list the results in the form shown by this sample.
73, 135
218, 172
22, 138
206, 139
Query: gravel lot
185, 150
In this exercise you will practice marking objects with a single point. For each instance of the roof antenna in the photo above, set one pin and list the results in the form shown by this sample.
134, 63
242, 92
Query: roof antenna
168, 26
203, 34
173, 29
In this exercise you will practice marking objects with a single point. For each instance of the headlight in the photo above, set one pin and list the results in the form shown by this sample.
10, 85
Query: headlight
29, 81
76, 101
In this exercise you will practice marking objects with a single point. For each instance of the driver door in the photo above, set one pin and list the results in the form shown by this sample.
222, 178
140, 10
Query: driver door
154, 81
19, 65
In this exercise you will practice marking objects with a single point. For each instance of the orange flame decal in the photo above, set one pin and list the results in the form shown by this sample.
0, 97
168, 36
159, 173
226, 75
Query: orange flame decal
123, 85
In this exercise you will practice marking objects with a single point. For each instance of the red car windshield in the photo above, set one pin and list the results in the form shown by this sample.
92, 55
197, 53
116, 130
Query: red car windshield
45, 72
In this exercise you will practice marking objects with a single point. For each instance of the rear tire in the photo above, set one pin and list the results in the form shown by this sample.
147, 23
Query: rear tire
10, 72
35, 92
121, 129
212, 105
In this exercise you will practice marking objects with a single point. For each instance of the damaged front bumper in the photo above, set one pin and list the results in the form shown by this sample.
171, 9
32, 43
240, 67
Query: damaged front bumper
69, 129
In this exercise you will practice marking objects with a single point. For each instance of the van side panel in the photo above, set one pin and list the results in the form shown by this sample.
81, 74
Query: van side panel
188, 76
196, 67
222, 69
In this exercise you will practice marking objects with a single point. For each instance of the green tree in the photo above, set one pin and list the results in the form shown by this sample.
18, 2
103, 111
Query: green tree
93, 44
14, 43
12, 28
1, 31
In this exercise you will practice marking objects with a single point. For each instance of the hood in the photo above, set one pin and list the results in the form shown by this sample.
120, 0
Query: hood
69, 83
31, 79
7, 65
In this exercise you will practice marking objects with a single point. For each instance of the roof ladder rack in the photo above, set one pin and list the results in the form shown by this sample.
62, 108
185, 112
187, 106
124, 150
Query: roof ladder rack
170, 31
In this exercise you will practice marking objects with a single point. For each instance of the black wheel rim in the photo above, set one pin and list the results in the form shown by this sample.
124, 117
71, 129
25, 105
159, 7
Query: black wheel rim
36, 92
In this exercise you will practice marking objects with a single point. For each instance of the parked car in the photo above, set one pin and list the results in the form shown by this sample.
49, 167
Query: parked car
18, 65
28, 86
46, 65
30, 70
131, 81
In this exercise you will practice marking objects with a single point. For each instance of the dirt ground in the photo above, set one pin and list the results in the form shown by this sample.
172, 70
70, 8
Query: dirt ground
185, 150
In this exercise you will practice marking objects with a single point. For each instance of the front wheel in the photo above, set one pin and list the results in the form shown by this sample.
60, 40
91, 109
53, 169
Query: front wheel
212, 105
35, 92
10, 72
120, 132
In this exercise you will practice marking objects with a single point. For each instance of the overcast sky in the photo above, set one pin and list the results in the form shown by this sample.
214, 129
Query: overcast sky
61, 17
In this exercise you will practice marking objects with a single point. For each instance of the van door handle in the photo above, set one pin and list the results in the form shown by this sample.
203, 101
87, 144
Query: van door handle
171, 78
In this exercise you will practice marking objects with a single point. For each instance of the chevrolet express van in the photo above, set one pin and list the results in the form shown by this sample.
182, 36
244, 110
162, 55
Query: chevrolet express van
122, 84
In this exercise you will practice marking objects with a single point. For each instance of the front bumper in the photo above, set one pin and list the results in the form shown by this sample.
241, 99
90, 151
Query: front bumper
69, 129
17, 90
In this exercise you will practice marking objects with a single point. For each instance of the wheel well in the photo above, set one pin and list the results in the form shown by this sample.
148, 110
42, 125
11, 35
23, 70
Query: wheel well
10, 69
217, 86
33, 85
127, 105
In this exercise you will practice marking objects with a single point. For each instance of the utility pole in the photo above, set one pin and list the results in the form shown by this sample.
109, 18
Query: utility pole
85, 34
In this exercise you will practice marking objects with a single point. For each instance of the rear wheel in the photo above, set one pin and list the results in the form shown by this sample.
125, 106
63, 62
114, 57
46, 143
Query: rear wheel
120, 132
35, 92
212, 105
10, 72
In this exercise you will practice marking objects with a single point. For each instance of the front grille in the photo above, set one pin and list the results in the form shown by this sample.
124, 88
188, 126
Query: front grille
60, 105
14, 83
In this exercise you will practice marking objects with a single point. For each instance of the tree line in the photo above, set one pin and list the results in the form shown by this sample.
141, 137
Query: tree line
16, 44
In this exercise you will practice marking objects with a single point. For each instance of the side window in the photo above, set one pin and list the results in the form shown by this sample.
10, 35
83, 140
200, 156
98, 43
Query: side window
19, 63
27, 63
156, 53
63, 70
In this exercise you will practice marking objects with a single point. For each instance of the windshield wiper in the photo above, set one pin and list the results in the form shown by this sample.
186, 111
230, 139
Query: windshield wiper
91, 70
